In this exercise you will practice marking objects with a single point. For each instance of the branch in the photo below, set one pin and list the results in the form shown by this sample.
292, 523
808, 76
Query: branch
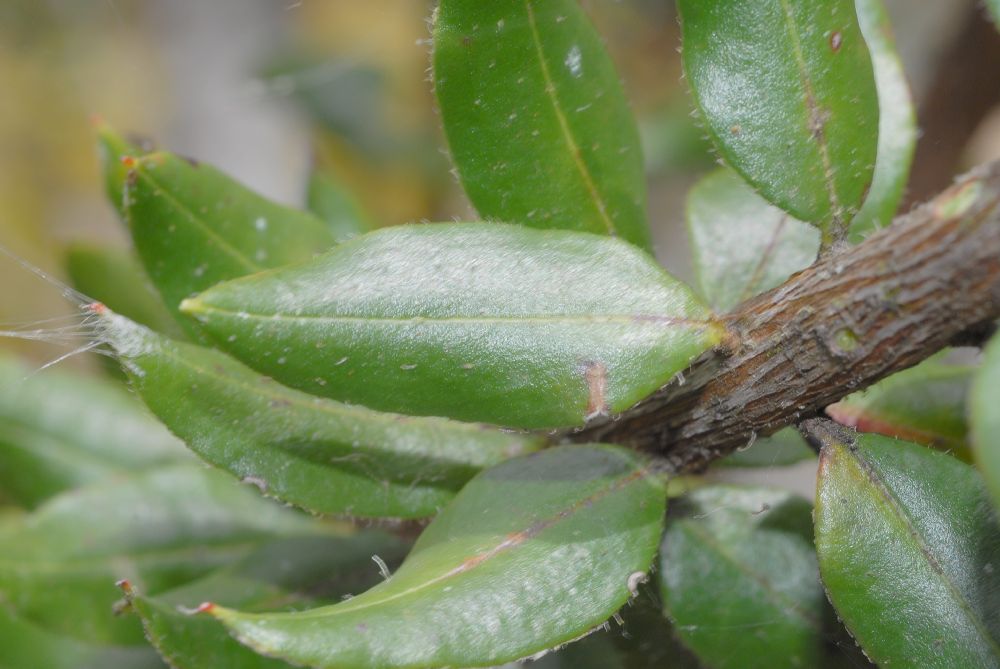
849, 320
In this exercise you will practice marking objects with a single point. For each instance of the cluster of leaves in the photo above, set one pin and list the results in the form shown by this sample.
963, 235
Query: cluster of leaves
408, 373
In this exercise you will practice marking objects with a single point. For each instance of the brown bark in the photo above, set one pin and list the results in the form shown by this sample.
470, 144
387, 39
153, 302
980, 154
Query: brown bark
849, 320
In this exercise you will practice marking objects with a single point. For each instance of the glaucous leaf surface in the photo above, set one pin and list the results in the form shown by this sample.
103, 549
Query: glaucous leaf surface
787, 92
480, 322
742, 246
984, 413
784, 447
897, 124
159, 528
925, 404
319, 454
908, 545
194, 226
111, 149
333, 203
116, 278
60, 429
27, 646
289, 574
536, 118
739, 580
531, 554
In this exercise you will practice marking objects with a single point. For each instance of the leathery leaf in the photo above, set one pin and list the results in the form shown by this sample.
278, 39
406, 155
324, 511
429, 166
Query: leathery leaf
787, 91
742, 558
531, 554
291, 573
925, 404
908, 544
319, 454
480, 322
194, 226
536, 119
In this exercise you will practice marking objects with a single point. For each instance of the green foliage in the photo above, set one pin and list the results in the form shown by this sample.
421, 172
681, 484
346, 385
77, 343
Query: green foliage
907, 542
193, 227
925, 404
322, 455
788, 94
536, 118
58, 431
734, 557
532, 553
481, 322
333, 364
986, 419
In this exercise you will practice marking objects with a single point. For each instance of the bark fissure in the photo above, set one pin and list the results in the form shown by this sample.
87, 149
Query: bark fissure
848, 321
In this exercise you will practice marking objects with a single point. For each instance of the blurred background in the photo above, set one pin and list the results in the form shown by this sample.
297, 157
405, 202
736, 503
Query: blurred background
269, 90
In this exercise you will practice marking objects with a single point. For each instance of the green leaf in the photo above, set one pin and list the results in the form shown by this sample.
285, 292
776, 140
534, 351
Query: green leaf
787, 92
291, 574
640, 637
742, 245
924, 404
479, 322
112, 149
158, 528
536, 118
116, 278
194, 226
739, 580
531, 554
907, 544
322, 455
27, 646
985, 418
59, 430
333, 203
897, 125
784, 447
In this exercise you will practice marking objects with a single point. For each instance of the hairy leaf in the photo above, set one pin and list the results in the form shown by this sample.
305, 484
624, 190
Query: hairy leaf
737, 559
333, 203
194, 226
985, 418
531, 554
742, 245
158, 528
897, 125
320, 454
291, 574
480, 322
907, 545
787, 91
536, 118
117, 279
924, 404
59, 430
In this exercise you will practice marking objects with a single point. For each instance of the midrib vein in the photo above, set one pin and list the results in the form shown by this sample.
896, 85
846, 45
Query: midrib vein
567, 133
619, 319
899, 512
220, 241
511, 541
812, 114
